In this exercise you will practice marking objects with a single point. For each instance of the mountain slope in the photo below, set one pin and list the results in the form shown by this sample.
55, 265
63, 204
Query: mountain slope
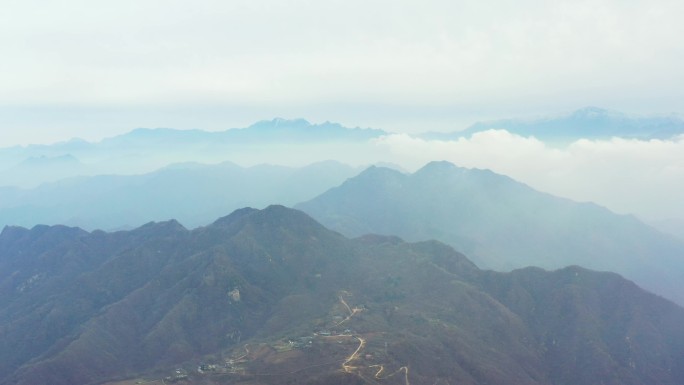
234, 293
501, 224
673, 227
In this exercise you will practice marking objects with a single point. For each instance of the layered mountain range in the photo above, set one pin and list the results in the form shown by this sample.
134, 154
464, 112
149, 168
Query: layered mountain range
271, 296
501, 224
191, 193
295, 141
144, 150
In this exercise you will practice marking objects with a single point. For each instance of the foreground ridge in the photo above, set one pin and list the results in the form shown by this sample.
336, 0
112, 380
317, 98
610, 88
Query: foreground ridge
271, 296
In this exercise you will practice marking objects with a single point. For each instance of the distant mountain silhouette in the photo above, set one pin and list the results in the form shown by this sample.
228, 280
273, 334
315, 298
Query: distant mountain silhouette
501, 224
266, 131
42, 168
238, 301
587, 123
145, 149
191, 193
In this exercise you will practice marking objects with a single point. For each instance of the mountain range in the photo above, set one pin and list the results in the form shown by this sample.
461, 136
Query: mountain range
272, 297
586, 123
144, 150
191, 193
501, 224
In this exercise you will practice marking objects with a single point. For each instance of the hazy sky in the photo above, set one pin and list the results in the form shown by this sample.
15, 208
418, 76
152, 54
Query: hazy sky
93, 69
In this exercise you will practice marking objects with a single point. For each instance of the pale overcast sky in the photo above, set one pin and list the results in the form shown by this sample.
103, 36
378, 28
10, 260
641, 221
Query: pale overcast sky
93, 69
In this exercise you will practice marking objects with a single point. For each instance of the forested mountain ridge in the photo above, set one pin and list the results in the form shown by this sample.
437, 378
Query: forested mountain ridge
84, 308
501, 224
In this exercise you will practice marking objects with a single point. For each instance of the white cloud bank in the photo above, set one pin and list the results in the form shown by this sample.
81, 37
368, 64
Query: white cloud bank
645, 178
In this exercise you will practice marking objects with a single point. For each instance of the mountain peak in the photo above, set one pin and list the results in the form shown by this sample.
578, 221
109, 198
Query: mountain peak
234, 216
375, 174
301, 129
281, 215
374, 170
593, 113
438, 166
167, 227
13, 232
588, 123
444, 168
590, 110
277, 123
273, 216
